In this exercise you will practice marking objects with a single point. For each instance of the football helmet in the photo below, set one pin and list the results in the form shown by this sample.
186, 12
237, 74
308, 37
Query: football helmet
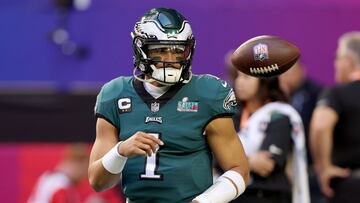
163, 29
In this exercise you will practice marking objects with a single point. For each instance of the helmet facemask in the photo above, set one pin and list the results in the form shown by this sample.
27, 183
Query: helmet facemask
163, 53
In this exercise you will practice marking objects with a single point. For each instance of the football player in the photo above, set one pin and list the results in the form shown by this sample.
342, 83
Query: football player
161, 127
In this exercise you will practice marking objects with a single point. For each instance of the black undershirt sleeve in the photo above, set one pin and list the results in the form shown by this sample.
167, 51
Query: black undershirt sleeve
330, 98
278, 140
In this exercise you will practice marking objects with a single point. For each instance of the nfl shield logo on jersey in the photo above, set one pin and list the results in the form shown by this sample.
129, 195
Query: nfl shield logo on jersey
261, 52
155, 107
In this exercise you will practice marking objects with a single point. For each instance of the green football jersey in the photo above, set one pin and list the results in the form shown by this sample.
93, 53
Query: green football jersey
182, 168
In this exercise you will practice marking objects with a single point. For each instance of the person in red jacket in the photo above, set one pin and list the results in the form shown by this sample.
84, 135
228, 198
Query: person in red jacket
59, 185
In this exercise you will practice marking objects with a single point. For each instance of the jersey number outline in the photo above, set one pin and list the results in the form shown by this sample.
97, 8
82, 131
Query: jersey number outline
152, 164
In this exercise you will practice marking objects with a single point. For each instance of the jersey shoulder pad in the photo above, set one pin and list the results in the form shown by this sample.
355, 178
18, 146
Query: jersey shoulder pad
114, 88
209, 86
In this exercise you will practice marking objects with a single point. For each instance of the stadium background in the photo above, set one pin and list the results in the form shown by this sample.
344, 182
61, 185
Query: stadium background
47, 93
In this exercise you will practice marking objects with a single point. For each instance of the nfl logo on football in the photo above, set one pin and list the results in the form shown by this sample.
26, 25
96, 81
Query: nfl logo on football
155, 107
261, 52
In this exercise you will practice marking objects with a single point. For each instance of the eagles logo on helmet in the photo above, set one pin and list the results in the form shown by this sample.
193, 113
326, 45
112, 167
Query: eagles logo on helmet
162, 27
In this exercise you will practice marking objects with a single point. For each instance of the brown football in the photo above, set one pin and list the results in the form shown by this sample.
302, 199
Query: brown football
265, 56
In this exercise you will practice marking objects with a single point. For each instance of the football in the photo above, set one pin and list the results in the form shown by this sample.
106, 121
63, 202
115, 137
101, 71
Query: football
265, 56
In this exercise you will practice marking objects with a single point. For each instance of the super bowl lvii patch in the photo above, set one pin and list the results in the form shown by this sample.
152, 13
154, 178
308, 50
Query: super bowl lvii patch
187, 106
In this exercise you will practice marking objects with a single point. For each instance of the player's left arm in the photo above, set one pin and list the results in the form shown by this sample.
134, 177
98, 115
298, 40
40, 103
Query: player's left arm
229, 152
227, 147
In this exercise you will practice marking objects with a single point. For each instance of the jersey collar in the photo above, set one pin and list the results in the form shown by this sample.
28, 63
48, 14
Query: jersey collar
148, 99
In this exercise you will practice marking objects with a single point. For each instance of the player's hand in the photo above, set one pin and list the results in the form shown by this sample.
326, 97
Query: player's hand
139, 144
194, 201
329, 173
261, 163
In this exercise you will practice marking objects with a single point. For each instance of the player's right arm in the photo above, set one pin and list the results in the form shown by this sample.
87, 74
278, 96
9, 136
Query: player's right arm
108, 156
106, 138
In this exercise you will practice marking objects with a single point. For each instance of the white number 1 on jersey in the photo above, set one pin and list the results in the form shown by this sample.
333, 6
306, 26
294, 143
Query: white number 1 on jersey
151, 164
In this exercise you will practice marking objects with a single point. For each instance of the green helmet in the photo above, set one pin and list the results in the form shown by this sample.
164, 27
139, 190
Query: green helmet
162, 27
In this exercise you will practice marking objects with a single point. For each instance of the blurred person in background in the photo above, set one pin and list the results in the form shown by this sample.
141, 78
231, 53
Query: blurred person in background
301, 91
159, 128
67, 183
231, 71
270, 130
335, 126
59, 185
303, 94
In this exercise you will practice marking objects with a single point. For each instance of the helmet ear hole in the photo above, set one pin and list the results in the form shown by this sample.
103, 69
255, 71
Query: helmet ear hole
186, 75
